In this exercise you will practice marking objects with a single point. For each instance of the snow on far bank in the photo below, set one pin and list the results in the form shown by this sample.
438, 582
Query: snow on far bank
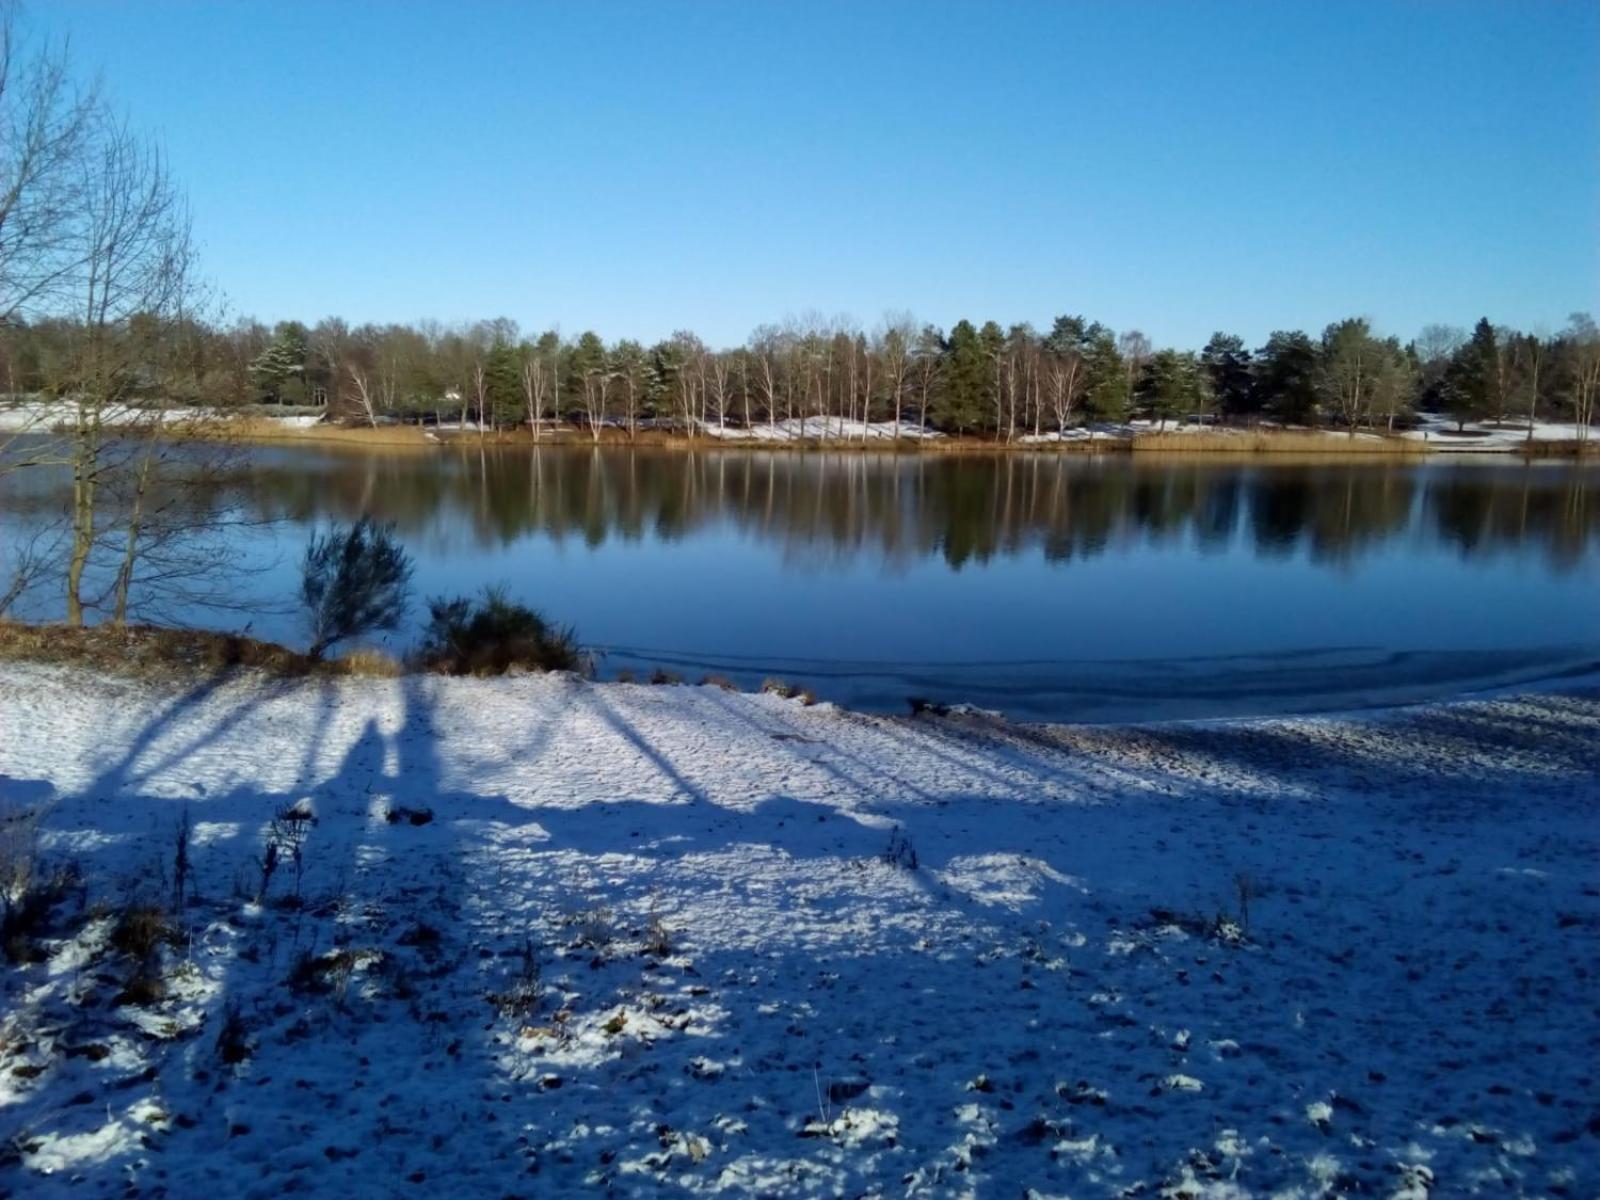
1442, 436
45, 416
834, 429
556, 937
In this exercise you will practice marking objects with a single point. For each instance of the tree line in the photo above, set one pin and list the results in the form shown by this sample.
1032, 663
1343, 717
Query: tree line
978, 380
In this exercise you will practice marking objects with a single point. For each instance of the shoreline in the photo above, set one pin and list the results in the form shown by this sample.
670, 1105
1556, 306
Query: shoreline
1554, 441
1320, 446
792, 949
1331, 683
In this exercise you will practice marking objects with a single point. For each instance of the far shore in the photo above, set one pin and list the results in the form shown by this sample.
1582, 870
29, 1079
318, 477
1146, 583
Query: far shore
1324, 443
1434, 436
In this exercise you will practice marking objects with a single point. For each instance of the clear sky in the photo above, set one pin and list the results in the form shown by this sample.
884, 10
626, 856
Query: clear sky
637, 168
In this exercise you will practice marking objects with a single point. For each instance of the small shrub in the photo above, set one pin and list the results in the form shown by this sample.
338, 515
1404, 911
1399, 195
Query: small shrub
233, 1038
143, 988
779, 687
353, 581
662, 676
19, 851
1221, 927
141, 930
411, 816
29, 891
719, 681
900, 852
657, 937
324, 974
29, 914
287, 834
596, 930
921, 706
627, 675
269, 867
520, 1000
492, 635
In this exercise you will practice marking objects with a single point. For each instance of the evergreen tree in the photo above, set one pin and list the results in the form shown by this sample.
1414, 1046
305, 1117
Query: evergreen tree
1169, 386
1107, 395
1227, 366
1286, 377
503, 384
271, 371
1467, 390
965, 376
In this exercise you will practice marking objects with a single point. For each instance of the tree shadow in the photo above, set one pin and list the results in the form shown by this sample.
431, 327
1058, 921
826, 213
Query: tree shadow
714, 967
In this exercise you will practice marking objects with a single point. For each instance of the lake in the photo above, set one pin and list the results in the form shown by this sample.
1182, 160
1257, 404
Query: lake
1049, 586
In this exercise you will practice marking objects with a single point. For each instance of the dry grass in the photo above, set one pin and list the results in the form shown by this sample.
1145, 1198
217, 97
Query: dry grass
143, 650
265, 429
372, 663
1564, 449
1276, 441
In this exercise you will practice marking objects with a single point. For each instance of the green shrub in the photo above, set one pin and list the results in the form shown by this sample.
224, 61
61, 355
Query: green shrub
491, 635
353, 581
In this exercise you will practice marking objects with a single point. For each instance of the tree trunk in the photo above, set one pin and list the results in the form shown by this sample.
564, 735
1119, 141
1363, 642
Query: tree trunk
130, 551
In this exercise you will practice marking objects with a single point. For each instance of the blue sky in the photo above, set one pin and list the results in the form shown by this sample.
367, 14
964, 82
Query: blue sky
637, 168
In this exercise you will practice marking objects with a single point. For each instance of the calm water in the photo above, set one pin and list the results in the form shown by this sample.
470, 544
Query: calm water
1054, 586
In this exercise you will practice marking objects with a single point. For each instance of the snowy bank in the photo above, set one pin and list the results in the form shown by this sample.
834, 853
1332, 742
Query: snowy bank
46, 416
550, 936
834, 429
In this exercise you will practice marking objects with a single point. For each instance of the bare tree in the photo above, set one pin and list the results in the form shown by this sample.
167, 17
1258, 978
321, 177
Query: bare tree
718, 367
534, 390
1349, 368
1581, 346
1532, 354
1135, 349
926, 357
1436, 343
765, 348
135, 256
897, 340
47, 128
363, 390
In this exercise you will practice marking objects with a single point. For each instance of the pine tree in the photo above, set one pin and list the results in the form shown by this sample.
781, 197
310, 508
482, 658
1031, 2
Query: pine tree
1286, 377
1468, 387
965, 377
1227, 366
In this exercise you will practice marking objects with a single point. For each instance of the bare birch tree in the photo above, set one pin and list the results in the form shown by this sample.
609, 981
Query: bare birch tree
135, 259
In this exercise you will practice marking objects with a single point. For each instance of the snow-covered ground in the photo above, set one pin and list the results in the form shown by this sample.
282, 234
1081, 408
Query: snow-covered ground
1441, 434
740, 946
1100, 431
43, 416
820, 428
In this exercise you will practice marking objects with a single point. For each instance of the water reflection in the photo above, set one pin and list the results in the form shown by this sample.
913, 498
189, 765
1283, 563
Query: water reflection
962, 510
1050, 586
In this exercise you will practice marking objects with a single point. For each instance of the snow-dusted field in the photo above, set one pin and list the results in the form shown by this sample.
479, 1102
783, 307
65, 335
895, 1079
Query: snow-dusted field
1320, 956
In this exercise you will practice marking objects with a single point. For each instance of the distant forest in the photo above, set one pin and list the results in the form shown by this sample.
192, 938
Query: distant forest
981, 380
